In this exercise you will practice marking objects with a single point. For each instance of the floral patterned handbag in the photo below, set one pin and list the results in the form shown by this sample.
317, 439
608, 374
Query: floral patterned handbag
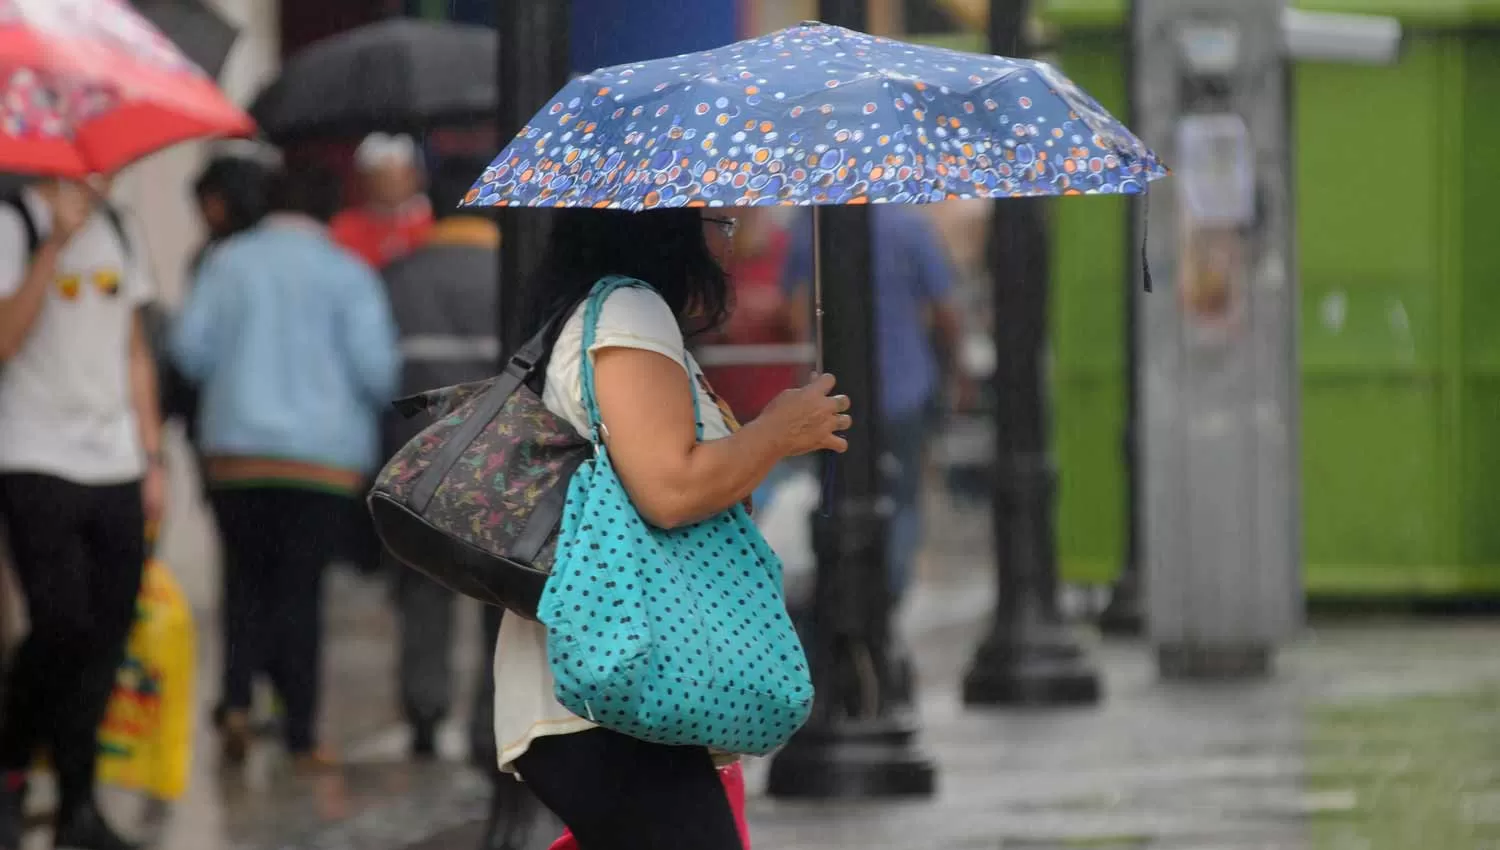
474, 500
679, 636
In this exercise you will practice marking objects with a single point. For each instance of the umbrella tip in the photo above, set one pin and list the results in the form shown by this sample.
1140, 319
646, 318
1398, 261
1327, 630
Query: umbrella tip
810, 24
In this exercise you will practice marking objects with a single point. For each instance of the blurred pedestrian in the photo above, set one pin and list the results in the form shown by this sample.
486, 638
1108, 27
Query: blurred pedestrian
443, 297
230, 194
292, 343
81, 476
763, 315
393, 216
231, 197
918, 337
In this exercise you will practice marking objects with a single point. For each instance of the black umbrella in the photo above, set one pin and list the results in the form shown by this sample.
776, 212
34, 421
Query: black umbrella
199, 31
398, 75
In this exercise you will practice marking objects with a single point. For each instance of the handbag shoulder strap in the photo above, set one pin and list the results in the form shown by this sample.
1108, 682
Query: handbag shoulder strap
520, 367
592, 308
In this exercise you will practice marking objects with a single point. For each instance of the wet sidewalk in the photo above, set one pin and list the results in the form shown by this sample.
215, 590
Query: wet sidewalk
264, 806
1375, 735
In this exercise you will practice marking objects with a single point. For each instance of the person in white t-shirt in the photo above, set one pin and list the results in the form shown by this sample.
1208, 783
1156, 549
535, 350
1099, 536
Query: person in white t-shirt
80, 479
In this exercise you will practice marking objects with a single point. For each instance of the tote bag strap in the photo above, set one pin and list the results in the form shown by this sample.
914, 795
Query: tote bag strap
517, 371
592, 308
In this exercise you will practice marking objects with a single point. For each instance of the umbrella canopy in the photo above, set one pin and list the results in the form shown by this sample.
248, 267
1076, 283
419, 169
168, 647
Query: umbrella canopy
399, 75
198, 30
88, 86
816, 114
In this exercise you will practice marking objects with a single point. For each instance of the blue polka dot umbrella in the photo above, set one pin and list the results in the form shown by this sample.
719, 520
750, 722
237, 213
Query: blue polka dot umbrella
815, 115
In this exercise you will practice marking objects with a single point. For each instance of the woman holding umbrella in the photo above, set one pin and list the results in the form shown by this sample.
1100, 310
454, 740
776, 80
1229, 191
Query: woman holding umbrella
614, 791
80, 477
809, 116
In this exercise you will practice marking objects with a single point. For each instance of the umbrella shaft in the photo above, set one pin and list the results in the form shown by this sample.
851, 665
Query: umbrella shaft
817, 270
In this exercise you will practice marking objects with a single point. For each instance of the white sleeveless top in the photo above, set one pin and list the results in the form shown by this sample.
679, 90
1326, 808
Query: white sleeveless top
525, 708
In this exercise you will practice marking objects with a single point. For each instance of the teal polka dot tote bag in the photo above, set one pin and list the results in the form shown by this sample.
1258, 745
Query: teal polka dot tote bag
675, 636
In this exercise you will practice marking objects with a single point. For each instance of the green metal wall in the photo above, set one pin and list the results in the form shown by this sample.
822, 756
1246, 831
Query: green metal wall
1089, 255
1399, 267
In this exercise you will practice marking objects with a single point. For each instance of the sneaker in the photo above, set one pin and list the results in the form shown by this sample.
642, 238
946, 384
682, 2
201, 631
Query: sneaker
235, 737
84, 828
12, 809
423, 741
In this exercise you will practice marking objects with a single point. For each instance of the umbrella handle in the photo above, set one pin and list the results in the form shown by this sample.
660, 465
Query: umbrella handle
817, 271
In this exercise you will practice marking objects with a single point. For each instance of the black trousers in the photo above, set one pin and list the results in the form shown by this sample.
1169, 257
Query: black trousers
425, 615
78, 551
278, 542
617, 793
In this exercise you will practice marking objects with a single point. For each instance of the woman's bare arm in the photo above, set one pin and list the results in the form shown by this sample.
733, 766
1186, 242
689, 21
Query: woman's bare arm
19, 312
646, 402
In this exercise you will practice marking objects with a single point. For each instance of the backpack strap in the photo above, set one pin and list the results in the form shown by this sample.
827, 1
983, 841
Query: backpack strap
117, 222
34, 234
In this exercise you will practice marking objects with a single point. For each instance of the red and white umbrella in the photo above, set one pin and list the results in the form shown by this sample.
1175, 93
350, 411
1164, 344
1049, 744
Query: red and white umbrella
89, 86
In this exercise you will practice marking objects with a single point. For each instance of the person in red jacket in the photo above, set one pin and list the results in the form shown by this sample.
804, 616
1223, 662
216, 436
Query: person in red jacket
762, 315
394, 216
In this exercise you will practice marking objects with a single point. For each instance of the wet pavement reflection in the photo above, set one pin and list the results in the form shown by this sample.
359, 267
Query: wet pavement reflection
1375, 735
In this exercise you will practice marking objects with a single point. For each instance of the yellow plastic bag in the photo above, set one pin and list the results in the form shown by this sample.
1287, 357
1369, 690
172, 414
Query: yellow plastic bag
146, 740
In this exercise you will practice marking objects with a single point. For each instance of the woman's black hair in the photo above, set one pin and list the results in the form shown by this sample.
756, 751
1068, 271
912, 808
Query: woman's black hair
665, 248
241, 184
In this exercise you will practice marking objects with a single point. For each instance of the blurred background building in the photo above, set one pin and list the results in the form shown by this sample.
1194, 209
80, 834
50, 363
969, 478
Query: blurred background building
1401, 451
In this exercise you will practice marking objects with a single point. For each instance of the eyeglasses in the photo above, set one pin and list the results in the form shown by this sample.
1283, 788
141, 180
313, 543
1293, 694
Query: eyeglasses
727, 226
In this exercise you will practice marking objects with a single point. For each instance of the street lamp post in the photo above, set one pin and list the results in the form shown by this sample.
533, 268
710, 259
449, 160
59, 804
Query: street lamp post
1028, 657
533, 64
1124, 615
860, 741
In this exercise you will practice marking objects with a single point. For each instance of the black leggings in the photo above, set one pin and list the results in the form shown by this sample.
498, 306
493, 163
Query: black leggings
78, 553
277, 543
617, 793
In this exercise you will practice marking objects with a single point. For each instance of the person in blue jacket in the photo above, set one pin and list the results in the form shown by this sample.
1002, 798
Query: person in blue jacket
918, 334
293, 346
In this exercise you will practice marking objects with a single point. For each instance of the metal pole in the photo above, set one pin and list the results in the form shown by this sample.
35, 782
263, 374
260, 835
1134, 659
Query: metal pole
1123, 616
1218, 342
1028, 657
860, 741
532, 65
